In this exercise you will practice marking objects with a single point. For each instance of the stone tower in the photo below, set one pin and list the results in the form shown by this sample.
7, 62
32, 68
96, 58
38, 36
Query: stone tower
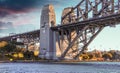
47, 38
69, 19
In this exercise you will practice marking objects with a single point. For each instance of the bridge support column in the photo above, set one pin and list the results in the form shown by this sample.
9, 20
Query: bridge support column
47, 36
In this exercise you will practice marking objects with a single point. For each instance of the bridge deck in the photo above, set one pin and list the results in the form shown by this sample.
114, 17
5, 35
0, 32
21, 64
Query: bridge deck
100, 21
27, 34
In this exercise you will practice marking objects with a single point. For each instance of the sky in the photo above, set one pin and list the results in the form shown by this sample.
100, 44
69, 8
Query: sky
17, 16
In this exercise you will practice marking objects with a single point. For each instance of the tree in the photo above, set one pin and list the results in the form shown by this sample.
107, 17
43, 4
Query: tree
3, 43
9, 48
91, 56
113, 53
107, 56
84, 56
29, 54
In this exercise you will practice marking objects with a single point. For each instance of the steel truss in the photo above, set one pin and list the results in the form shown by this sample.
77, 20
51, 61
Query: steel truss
82, 38
87, 9
90, 17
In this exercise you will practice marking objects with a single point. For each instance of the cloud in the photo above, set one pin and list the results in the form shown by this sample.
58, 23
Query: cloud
17, 5
22, 13
23, 5
5, 25
8, 7
3, 14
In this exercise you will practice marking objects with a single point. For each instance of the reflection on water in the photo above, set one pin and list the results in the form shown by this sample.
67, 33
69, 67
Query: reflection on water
89, 67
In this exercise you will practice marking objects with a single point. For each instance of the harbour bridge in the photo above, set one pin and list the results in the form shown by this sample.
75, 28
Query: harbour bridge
79, 26
27, 35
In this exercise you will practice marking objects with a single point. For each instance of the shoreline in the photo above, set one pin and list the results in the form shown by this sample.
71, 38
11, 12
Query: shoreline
51, 62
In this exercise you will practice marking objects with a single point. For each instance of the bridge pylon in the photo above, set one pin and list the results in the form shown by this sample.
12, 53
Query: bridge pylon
47, 37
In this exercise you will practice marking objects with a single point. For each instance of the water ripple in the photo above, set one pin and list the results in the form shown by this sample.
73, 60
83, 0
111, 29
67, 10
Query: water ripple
60, 68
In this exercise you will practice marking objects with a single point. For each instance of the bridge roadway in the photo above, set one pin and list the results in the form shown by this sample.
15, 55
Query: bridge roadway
110, 20
30, 34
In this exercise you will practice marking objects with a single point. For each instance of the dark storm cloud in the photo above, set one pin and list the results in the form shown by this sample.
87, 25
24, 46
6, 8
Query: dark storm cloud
19, 5
8, 7
3, 14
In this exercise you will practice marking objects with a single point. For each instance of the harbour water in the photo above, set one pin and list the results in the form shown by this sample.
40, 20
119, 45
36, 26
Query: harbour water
82, 67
